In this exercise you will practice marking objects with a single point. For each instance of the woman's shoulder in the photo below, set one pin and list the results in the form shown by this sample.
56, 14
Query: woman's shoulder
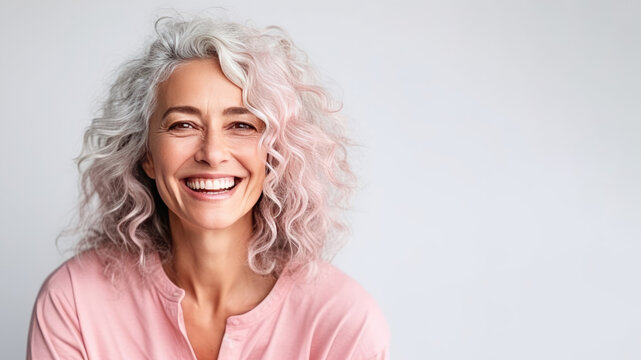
55, 321
79, 300
341, 309
85, 275
328, 283
86, 267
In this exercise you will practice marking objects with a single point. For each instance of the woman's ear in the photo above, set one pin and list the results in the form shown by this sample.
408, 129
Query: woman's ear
148, 165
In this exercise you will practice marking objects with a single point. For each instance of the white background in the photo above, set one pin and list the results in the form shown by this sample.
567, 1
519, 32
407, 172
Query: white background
499, 212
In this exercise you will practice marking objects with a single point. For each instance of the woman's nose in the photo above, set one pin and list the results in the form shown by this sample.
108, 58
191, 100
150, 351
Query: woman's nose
213, 149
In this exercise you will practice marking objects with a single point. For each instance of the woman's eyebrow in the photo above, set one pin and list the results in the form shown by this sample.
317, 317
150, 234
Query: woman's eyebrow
236, 110
186, 109
182, 109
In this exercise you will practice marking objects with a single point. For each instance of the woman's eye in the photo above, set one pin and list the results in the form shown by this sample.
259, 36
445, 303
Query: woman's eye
244, 126
181, 125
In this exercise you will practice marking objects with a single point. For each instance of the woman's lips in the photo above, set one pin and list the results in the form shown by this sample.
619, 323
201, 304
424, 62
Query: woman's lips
211, 184
211, 189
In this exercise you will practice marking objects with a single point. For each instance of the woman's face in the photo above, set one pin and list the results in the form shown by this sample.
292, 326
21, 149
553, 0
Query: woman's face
203, 148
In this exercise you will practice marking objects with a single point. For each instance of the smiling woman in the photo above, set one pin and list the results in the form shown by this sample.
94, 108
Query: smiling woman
212, 185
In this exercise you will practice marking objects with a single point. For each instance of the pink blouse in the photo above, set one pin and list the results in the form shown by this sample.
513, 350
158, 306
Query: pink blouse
81, 314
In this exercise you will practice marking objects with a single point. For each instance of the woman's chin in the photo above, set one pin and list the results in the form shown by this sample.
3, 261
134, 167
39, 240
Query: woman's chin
216, 222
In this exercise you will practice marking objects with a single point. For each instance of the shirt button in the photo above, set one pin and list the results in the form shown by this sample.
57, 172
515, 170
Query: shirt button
229, 341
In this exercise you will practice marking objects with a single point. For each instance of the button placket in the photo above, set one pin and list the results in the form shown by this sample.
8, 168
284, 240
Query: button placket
232, 340
188, 351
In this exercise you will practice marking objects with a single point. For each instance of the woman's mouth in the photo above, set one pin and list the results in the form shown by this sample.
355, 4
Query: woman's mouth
212, 186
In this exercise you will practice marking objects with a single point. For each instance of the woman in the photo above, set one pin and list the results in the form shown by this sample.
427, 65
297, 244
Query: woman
211, 186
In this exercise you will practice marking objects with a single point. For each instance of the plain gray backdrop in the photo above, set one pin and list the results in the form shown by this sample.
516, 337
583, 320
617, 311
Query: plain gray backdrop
499, 208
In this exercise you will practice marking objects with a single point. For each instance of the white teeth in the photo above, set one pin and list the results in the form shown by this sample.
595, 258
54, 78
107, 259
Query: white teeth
209, 184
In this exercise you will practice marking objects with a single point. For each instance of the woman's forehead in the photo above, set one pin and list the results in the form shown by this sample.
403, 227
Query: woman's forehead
200, 84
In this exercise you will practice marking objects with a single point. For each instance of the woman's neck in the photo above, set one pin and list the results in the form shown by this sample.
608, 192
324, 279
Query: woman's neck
211, 266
